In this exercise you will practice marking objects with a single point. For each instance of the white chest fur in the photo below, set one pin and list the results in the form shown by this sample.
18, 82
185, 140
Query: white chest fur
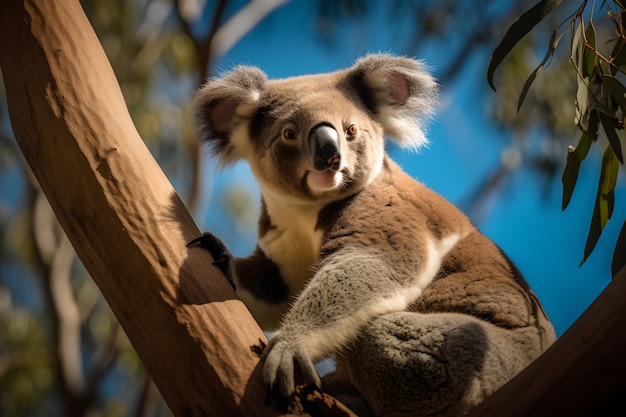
292, 243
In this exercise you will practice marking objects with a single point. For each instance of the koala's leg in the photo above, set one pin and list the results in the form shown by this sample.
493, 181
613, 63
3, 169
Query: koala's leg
338, 385
432, 364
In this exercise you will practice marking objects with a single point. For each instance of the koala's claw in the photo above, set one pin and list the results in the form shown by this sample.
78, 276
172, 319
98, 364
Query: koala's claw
278, 370
222, 258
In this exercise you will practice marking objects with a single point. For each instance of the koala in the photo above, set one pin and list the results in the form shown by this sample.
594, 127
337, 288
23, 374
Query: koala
356, 260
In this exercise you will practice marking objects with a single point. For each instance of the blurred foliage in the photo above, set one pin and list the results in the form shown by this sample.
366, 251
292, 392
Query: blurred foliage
597, 55
95, 371
160, 49
154, 62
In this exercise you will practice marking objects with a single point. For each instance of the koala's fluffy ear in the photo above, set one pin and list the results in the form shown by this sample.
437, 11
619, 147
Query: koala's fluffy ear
219, 107
399, 92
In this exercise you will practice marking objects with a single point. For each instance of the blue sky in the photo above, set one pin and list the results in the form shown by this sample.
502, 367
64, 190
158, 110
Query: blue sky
543, 241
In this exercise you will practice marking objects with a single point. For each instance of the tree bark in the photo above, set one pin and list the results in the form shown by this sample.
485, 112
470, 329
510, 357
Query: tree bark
122, 215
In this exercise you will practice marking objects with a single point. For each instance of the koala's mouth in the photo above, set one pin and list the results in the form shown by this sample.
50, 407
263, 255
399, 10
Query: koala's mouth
327, 180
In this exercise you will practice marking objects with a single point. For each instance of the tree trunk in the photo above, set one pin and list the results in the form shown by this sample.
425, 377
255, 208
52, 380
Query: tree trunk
122, 215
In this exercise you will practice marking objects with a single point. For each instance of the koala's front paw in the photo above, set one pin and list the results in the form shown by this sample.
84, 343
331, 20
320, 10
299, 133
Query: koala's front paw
222, 257
278, 371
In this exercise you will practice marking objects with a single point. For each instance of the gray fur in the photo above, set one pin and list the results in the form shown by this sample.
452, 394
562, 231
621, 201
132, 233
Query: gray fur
422, 312
402, 92
215, 105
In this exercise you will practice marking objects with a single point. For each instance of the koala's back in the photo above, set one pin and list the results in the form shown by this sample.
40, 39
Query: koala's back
475, 325
475, 277
393, 214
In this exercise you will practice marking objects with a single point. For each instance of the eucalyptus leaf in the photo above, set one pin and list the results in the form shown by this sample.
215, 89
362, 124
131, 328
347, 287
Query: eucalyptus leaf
619, 255
609, 128
517, 31
554, 41
618, 54
608, 182
578, 46
603, 207
569, 178
591, 129
594, 233
616, 89
572, 167
602, 67
582, 101
590, 58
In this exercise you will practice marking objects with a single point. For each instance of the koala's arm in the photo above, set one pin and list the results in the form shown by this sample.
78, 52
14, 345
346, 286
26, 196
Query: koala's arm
256, 279
351, 286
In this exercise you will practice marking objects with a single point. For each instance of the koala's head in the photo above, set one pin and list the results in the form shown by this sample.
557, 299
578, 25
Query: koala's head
316, 137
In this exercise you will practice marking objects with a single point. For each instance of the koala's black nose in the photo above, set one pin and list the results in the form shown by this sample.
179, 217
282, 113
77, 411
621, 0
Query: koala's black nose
325, 147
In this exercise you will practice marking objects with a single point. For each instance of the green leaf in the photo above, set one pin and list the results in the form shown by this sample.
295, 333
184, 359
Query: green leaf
582, 101
577, 45
572, 166
517, 31
609, 128
618, 54
616, 89
554, 41
602, 67
591, 127
605, 199
590, 58
619, 255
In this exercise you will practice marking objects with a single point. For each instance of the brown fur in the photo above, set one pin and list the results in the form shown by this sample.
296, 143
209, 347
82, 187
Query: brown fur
424, 314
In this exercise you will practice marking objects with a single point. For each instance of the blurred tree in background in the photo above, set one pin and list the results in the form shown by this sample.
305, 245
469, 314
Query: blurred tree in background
62, 352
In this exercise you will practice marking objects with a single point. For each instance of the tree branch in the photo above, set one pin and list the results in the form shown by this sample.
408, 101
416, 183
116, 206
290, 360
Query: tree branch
122, 215
240, 24
202, 48
582, 374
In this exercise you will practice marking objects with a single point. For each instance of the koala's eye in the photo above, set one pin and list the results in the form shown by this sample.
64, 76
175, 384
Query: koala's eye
289, 134
352, 130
